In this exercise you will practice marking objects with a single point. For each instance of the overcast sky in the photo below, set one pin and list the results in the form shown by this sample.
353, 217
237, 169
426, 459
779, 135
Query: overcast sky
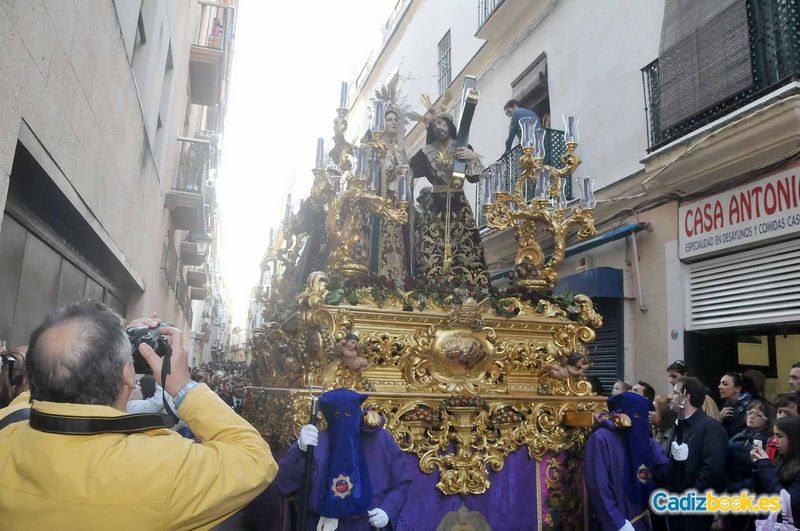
290, 58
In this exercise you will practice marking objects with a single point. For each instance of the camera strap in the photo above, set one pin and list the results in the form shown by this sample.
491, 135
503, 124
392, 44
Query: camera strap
17, 416
166, 367
74, 425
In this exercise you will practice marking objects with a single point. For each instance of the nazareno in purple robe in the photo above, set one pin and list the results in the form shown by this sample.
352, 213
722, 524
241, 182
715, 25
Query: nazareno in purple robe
387, 471
604, 470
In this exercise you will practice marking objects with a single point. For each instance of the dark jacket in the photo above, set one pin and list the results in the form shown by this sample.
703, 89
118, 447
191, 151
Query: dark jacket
705, 466
768, 475
738, 421
740, 466
514, 130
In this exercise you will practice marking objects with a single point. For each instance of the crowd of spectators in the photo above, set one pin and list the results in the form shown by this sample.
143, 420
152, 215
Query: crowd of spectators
742, 442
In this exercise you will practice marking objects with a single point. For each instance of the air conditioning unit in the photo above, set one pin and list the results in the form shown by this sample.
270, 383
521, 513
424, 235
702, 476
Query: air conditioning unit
583, 263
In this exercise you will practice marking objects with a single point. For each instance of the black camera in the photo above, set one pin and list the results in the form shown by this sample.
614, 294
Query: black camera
152, 337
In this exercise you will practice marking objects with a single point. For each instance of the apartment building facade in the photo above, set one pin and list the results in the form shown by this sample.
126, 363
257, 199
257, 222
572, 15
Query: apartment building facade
112, 116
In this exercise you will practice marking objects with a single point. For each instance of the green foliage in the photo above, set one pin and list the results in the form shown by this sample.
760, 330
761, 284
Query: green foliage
419, 294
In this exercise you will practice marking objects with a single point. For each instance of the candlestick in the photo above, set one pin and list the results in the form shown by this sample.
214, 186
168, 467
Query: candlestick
320, 153
343, 96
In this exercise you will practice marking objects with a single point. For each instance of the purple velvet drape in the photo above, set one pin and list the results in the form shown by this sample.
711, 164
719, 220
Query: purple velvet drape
509, 504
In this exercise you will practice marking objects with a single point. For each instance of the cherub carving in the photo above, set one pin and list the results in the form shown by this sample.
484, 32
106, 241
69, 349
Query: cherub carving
347, 351
569, 366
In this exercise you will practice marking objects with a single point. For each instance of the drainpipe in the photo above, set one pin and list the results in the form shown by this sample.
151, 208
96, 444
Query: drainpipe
639, 294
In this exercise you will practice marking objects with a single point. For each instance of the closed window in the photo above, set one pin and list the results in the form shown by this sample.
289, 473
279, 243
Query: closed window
444, 63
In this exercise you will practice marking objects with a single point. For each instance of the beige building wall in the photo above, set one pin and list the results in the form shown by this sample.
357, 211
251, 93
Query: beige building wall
106, 110
651, 327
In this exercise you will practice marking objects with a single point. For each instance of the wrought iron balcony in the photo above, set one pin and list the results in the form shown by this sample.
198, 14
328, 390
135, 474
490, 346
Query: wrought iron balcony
198, 294
485, 10
210, 52
189, 254
774, 60
509, 164
186, 199
185, 303
196, 276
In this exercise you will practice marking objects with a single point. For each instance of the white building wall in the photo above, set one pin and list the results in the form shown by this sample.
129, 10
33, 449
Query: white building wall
414, 52
595, 51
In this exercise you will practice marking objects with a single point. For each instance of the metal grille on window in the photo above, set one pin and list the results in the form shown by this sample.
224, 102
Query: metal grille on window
444, 62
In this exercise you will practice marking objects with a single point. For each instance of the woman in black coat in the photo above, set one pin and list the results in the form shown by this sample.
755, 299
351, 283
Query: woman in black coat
785, 472
736, 393
741, 472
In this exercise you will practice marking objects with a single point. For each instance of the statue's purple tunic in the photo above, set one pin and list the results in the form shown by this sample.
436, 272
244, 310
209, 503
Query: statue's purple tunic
387, 472
604, 469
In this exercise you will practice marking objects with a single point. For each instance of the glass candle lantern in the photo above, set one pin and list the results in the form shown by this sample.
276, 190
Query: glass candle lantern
403, 185
320, 154
374, 174
362, 161
527, 127
571, 128
539, 137
378, 116
343, 96
587, 193
543, 185
487, 186
562, 194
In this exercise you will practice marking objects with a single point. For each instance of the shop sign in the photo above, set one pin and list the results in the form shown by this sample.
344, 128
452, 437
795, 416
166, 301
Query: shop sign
760, 210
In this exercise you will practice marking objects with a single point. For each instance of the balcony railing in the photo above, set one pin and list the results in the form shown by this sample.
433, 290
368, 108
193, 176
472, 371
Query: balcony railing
215, 26
193, 164
182, 295
196, 276
774, 59
485, 9
170, 264
509, 164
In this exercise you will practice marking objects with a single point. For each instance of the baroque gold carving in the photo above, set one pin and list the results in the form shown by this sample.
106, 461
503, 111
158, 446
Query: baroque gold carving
483, 432
528, 217
346, 220
460, 356
460, 390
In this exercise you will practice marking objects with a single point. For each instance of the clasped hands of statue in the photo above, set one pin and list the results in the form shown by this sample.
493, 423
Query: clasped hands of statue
309, 436
466, 154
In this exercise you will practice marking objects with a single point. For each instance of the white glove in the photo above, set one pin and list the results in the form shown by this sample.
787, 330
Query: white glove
309, 435
378, 518
680, 452
327, 524
627, 527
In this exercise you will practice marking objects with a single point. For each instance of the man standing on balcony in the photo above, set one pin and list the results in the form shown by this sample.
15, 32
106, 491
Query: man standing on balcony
516, 113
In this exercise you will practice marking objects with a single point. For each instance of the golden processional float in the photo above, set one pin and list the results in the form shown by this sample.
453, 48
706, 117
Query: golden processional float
466, 379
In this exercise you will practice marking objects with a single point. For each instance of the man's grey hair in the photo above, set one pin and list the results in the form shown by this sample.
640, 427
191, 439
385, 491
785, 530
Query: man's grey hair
85, 366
